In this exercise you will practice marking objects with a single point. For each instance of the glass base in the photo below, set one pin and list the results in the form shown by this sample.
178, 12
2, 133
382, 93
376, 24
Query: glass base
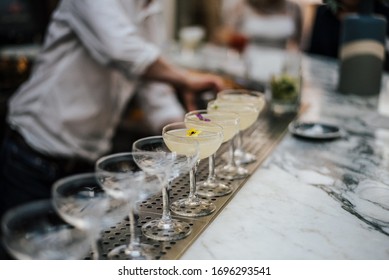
213, 189
282, 109
242, 157
142, 252
166, 231
194, 207
231, 172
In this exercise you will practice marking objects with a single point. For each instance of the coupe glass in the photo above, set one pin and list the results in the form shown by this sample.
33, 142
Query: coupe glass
243, 97
212, 187
81, 201
209, 137
166, 228
35, 231
247, 116
123, 179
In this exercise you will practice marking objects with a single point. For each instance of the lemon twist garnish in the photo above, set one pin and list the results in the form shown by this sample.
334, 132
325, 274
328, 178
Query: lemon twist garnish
192, 132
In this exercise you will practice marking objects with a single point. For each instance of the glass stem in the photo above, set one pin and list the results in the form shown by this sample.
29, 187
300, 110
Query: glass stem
133, 245
166, 214
211, 169
95, 247
239, 141
231, 152
192, 181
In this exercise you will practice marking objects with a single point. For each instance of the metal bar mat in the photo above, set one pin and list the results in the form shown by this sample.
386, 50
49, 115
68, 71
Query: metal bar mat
260, 140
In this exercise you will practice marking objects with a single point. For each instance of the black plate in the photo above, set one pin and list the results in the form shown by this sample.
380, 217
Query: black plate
314, 130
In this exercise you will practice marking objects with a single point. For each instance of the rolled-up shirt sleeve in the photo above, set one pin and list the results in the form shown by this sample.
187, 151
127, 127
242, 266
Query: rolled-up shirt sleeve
161, 105
110, 35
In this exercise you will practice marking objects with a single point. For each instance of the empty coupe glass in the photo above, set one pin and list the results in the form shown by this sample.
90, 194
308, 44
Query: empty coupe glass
82, 202
166, 228
123, 179
35, 231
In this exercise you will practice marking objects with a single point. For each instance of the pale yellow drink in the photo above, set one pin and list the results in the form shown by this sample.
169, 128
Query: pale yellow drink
229, 124
243, 96
209, 141
248, 114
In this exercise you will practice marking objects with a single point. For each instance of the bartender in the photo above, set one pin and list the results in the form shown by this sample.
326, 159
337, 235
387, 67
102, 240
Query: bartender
96, 54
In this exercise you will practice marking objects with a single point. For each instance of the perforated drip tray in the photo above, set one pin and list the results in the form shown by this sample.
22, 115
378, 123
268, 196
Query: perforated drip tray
260, 140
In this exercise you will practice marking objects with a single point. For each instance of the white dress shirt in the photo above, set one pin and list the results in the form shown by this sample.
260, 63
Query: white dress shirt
272, 30
92, 56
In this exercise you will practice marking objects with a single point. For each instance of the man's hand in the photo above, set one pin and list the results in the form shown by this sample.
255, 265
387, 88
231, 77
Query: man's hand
196, 83
187, 84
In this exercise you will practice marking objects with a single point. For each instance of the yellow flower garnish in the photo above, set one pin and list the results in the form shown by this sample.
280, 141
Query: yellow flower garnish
192, 132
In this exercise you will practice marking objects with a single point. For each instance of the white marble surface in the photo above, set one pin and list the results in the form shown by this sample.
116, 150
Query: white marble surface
313, 200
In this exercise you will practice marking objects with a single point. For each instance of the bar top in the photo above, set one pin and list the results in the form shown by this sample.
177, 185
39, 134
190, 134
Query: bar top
314, 199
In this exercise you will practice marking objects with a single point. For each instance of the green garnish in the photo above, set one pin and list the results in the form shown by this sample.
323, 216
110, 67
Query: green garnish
285, 88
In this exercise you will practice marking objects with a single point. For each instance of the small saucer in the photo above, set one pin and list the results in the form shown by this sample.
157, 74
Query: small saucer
312, 130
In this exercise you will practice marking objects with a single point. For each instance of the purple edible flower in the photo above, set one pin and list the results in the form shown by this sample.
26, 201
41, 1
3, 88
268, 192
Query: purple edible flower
200, 117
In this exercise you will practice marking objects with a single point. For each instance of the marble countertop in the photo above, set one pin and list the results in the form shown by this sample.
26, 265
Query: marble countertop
314, 199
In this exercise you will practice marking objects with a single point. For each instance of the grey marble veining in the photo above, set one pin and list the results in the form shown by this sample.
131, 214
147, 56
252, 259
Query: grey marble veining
313, 199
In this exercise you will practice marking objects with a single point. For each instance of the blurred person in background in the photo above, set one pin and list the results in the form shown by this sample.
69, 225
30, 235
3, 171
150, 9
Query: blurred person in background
326, 27
272, 23
96, 55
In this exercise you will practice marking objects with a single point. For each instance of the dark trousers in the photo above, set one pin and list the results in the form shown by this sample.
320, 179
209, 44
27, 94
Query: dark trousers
27, 175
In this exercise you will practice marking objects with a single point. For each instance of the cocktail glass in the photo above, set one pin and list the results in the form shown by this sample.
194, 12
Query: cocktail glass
166, 228
81, 201
243, 97
35, 231
123, 179
247, 116
213, 187
209, 137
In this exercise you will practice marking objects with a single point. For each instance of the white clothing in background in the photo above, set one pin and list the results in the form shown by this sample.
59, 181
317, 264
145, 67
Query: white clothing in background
273, 30
87, 71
